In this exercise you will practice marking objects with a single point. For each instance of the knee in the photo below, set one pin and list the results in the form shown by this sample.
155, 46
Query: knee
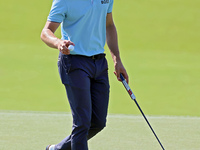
81, 127
98, 126
98, 129
94, 129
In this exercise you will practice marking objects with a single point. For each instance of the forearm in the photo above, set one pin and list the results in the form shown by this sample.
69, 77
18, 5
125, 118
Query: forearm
49, 38
112, 42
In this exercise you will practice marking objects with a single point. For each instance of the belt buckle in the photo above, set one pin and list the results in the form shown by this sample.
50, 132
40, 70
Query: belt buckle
93, 57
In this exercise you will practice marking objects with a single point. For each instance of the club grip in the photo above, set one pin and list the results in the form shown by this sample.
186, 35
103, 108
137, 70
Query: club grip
122, 77
130, 92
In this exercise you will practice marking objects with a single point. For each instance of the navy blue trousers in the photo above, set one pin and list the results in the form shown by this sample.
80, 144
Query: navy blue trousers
87, 86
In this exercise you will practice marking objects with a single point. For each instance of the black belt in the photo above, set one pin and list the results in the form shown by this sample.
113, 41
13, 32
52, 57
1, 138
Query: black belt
98, 56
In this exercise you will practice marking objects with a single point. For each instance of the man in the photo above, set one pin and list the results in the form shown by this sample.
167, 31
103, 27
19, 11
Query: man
87, 25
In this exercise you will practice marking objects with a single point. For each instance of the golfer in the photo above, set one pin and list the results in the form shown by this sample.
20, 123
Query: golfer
87, 25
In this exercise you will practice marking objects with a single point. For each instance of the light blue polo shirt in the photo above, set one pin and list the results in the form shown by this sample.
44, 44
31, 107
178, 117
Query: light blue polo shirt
83, 22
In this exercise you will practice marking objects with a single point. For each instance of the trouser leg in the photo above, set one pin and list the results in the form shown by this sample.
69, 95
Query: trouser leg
79, 97
100, 97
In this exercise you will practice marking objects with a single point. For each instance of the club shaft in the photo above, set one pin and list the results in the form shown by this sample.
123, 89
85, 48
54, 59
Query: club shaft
148, 124
134, 98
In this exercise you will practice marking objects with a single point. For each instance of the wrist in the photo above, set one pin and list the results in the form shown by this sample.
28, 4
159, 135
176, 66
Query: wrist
57, 43
116, 59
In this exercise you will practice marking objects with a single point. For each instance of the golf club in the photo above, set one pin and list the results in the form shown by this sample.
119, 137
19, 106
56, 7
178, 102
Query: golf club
130, 92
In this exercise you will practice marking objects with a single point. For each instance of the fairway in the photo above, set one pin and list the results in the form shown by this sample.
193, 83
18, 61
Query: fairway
35, 130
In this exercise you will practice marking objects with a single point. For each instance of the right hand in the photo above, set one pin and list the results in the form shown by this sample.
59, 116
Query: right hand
63, 46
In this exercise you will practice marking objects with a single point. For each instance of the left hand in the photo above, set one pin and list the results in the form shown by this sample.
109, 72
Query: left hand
119, 68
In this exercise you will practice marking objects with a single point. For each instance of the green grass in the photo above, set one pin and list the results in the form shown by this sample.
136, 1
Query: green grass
159, 44
35, 130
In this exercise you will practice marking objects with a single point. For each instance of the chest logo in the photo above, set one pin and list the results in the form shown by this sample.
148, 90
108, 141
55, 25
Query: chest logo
104, 1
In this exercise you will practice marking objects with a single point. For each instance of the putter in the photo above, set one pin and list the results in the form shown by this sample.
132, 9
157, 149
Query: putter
130, 92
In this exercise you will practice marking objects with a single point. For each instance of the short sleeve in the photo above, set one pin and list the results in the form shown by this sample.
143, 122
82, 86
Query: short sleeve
110, 7
58, 11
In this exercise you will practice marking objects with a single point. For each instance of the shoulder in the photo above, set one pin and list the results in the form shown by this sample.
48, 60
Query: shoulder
59, 1
59, 5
